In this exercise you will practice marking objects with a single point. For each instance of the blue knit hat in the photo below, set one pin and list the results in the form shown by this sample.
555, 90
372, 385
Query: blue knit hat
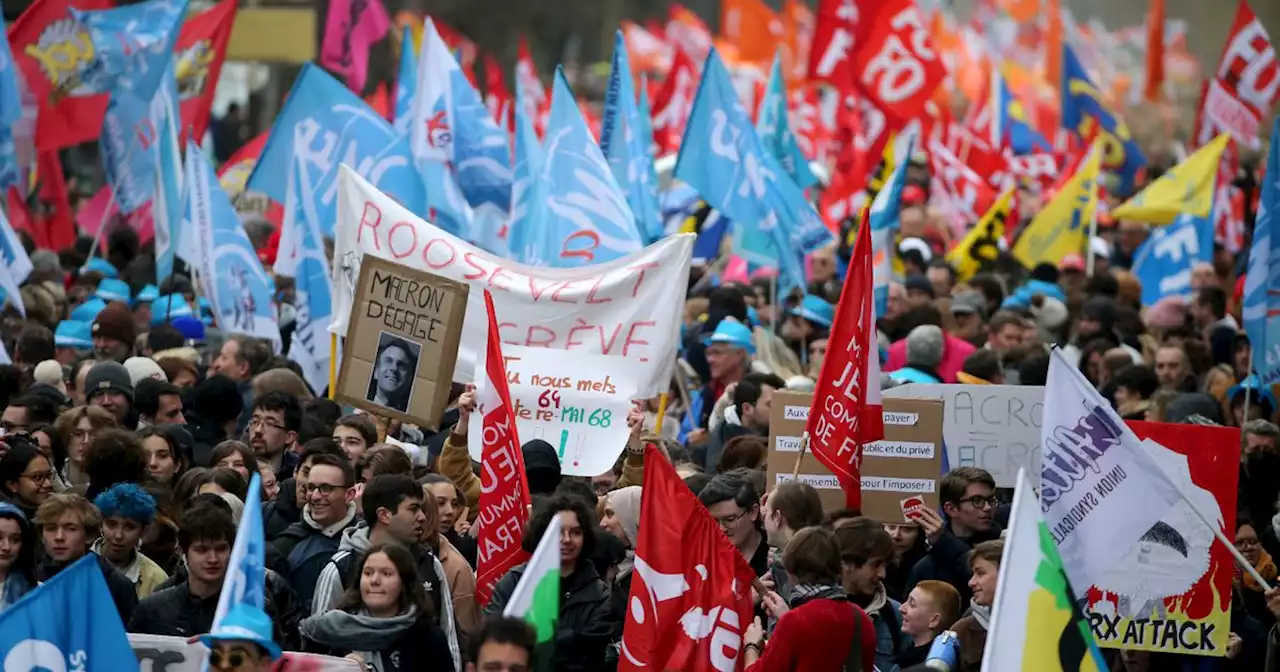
88, 311
112, 289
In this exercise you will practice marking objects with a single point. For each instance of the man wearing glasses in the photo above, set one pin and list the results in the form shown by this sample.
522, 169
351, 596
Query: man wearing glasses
306, 546
274, 430
968, 498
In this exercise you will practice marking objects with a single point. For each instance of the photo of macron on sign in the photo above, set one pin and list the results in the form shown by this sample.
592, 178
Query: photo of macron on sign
402, 342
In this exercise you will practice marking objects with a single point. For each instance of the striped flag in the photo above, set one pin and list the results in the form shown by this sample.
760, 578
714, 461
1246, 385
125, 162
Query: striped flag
536, 598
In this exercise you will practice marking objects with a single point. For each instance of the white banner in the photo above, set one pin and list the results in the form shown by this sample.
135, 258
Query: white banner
574, 401
630, 307
1099, 489
173, 654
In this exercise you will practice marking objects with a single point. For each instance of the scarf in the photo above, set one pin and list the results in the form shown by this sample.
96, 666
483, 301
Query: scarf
333, 529
980, 614
625, 503
1266, 567
359, 632
804, 592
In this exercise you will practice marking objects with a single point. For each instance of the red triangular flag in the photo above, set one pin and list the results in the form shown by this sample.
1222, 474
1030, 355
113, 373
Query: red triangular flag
504, 492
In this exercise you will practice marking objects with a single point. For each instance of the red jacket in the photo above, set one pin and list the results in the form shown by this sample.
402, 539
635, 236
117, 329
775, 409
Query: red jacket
815, 637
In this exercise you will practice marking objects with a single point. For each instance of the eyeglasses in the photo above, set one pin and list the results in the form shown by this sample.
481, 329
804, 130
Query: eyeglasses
224, 660
82, 434
325, 489
264, 424
39, 477
980, 502
1247, 543
728, 521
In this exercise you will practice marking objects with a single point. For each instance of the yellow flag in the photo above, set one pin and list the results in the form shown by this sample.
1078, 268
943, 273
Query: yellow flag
1062, 227
1186, 189
981, 244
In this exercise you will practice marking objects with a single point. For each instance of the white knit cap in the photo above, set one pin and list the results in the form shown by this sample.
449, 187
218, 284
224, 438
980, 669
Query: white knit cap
49, 372
141, 368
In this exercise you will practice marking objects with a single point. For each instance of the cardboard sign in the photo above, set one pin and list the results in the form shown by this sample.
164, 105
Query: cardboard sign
575, 401
402, 341
1172, 592
157, 653
994, 427
899, 473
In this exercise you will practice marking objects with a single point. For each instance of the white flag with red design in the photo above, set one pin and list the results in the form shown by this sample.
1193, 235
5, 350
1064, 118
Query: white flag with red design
504, 489
847, 412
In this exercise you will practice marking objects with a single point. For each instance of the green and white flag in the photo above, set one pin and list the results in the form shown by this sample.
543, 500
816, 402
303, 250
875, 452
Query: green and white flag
536, 598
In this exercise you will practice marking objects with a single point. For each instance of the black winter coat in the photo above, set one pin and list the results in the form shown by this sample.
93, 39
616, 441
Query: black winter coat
123, 594
422, 647
173, 611
277, 516
586, 622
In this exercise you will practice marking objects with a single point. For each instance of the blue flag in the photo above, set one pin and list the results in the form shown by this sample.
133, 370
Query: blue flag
166, 206
239, 289
406, 82
247, 567
588, 220
1262, 282
68, 623
527, 191
10, 94
883, 219
627, 148
339, 127
10, 169
1010, 122
646, 117
1083, 111
128, 142
1164, 262
132, 45
310, 344
722, 157
775, 129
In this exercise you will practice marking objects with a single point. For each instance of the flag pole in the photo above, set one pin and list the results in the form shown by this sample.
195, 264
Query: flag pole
662, 413
804, 447
102, 224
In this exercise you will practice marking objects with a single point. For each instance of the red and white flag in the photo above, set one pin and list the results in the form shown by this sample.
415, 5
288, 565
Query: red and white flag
674, 102
847, 412
831, 52
895, 62
691, 592
198, 56
497, 98
504, 489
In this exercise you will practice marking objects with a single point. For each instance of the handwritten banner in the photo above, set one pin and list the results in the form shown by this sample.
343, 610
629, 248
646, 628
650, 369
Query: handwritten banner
629, 308
574, 401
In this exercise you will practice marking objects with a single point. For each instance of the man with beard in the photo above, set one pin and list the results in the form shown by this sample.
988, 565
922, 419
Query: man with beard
273, 431
113, 333
392, 381
747, 416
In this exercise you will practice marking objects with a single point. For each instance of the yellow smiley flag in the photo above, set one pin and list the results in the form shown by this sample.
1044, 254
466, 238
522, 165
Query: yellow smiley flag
1062, 226
982, 243
1036, 621
1186, 189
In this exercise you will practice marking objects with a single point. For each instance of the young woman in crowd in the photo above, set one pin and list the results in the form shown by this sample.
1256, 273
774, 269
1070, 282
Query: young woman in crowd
17, 555
451, 503
458, 574
818, 616
26, 476
78, 427
235, 455
50, 443
166, 460
385, 621
971, 630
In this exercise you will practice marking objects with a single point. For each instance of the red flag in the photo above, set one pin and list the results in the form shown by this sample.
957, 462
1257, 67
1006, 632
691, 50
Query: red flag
57, 224
830, 55
497, 97
19, 217
1248, 68
847, 411
895, 61
673, 103
1155, 51
199, 52
687, 32
51, 50
691, 592
504, 490
530, 87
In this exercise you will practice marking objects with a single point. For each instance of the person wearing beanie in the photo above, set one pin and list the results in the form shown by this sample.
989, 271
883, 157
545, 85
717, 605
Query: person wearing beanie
924, 353
113, 332
109, 386
140, 368
542, 466
17, 564
49, 372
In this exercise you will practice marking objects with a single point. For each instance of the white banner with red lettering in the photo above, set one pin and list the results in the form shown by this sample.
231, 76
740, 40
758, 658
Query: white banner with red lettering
630, 307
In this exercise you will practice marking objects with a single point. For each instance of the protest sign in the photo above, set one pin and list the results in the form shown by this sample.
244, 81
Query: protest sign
899, 473
575, 401
1172, 592
402, 340
630, 307
993, 427
157, 653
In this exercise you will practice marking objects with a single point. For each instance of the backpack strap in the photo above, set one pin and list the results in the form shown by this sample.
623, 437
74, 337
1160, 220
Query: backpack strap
853, 663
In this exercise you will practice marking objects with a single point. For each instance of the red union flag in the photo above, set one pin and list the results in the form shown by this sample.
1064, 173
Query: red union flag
690, 596
847, 411
833, 39
198, 56
1248, 68
895, 61
673, 103
504, 492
